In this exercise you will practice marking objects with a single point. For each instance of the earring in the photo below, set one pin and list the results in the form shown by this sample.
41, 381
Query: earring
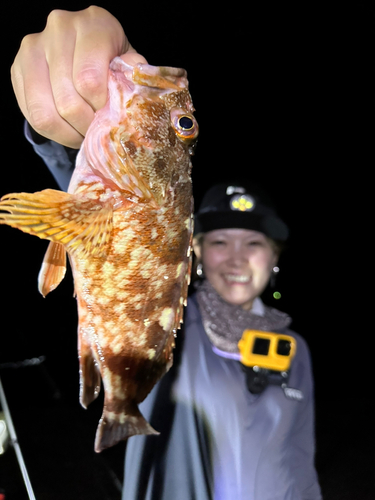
199, 270
275, 271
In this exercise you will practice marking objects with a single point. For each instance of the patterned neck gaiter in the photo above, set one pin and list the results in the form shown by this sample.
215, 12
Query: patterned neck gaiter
225, 323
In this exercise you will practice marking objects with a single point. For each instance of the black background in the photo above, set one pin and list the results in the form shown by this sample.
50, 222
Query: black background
284, 97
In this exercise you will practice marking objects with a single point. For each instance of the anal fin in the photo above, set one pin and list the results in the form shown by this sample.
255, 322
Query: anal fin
53, 268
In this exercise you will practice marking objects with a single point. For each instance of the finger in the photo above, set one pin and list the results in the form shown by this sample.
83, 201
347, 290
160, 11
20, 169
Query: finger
90, 73
100, 38
60, 53
132, 57
18, 86
90, 69
32, 87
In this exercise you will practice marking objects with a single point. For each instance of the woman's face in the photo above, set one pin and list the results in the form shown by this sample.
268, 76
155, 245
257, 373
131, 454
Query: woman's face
237, 262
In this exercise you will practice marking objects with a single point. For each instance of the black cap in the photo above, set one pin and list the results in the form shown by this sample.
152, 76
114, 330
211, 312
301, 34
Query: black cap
236, 205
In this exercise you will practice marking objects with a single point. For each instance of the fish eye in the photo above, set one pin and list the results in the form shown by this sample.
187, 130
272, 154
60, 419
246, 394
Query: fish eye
184, 124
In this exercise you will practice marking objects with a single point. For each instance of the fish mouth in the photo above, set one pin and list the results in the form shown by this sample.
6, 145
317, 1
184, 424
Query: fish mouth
237, 278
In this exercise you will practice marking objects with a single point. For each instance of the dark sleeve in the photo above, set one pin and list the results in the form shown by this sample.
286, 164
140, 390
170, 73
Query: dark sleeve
59, 159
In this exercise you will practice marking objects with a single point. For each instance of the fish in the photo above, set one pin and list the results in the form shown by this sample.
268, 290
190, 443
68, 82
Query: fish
126, 224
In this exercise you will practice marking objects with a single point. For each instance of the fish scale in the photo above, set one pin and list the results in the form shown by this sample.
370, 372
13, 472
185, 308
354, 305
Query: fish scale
126, 223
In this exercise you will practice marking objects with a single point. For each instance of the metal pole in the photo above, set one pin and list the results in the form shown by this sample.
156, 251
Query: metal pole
14, 441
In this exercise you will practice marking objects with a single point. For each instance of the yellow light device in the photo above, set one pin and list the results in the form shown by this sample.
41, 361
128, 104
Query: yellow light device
272, 351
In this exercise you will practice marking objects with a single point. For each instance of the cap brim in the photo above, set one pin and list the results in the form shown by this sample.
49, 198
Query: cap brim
270, 225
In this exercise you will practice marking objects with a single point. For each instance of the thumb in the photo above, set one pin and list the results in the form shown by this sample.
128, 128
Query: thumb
132, 57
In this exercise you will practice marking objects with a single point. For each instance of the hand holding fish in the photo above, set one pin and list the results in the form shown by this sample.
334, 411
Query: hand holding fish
60, 75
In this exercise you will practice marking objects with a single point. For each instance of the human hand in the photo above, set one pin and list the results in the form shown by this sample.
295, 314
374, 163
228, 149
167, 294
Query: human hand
60, 75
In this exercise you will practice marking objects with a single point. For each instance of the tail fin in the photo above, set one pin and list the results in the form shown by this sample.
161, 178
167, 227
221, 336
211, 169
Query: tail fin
115, 427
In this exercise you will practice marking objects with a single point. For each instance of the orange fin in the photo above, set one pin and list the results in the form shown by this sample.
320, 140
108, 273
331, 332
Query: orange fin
89, 374
162, 77
113, 162
53, 268
81, 224
114, 427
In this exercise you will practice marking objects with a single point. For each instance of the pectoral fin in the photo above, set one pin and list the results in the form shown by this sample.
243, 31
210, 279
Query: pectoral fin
83, 226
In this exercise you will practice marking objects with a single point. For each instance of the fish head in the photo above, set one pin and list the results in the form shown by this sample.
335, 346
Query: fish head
147, 130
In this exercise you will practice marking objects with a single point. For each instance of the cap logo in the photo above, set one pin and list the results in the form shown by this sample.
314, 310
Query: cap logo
242, 202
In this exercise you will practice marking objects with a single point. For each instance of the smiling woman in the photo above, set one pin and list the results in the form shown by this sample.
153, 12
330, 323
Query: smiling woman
230, 429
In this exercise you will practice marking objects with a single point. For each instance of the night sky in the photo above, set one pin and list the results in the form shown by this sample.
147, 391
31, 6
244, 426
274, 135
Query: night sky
284, 97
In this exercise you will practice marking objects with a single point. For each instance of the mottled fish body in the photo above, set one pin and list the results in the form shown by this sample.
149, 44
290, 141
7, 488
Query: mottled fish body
126, 223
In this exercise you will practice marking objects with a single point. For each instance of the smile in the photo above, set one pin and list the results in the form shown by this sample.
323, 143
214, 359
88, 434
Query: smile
236, 278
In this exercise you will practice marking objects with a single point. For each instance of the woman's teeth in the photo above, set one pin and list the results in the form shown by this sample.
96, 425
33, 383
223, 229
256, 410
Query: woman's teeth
237, 279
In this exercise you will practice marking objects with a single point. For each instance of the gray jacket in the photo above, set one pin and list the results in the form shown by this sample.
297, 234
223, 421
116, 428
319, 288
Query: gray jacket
217, 440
